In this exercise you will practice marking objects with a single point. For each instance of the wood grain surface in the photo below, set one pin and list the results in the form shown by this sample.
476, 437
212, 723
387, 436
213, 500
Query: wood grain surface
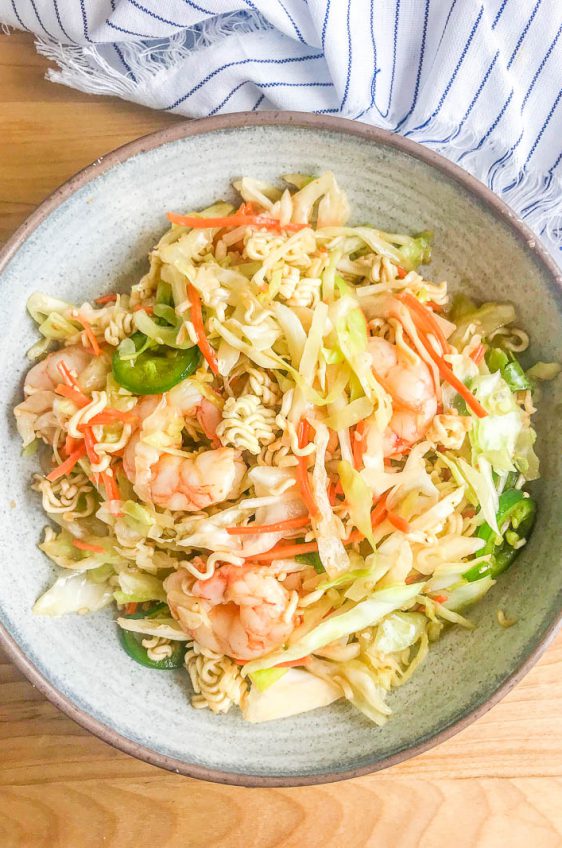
498, 783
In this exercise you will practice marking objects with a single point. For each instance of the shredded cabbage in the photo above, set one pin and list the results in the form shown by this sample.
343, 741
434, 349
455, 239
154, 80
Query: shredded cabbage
73, 593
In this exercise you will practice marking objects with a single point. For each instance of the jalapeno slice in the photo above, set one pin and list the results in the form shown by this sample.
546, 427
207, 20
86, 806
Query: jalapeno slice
516, 516
132, 643
156, 369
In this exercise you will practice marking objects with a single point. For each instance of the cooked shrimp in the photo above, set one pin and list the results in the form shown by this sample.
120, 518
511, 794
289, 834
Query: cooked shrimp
35, 416
177, 482
241, 612
408, 380
46, 375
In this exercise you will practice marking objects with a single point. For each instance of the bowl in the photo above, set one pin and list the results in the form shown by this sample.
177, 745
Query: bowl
92, 236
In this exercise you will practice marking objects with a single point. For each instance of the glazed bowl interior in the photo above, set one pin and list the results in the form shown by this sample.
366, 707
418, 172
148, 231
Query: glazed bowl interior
95, 241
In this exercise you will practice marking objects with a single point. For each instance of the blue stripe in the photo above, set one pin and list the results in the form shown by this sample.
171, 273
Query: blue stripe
420, 66
453, 77
41, 24
491, 129
349, 56
499, 14
125, 63
453, 4
155, 16
240, 62
85, 21
312, 84
325, 25
23, 26
200, 8
126, 31
227, 98
523, 34
544, 126
57, 13
394, 51
258, 102
500, 115
550, 170
326, 111
292, 20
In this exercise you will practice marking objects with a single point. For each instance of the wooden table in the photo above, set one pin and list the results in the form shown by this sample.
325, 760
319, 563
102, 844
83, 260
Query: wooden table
497, 783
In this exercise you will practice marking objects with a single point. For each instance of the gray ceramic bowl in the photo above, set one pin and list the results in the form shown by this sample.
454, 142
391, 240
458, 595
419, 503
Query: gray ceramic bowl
93, 235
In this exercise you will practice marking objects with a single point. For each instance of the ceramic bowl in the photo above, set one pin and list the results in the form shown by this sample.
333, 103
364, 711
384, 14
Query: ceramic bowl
92, 236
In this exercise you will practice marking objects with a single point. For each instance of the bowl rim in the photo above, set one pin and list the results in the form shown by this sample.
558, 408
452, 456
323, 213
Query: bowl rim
321, 123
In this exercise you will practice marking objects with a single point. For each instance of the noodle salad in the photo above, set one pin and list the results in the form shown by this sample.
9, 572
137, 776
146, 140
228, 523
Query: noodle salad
283, 455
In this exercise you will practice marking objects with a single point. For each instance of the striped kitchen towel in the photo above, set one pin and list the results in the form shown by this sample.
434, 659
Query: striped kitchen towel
477, 80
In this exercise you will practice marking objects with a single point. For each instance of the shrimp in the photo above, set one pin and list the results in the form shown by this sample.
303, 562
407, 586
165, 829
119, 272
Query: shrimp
409, 382
179, 482
46, 375
241, 612
36, 414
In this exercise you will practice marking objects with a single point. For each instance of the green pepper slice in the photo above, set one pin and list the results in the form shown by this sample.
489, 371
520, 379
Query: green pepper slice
313, 559
156, 369
132, 643
509, 367
516, 516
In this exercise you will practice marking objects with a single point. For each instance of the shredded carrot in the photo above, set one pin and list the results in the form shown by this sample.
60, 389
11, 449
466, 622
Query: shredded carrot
302, 469
449, 377
239, 219
76, 397
148, 309
414, 578
401, 272
478, 354
70, 445
111, 488
67, 375
199, 327
439, 598
67, 466
90, 444
131, 608
85, 546
90, 335
426, 319
106, 298
397, 521
289, 524
379, 513
111, 415
433, 305
359, 445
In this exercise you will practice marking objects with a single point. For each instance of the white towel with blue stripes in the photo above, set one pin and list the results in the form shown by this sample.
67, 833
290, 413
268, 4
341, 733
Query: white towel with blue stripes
477, 80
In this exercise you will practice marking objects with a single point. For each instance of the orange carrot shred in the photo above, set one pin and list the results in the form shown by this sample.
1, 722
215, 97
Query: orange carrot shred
397, 521
239, 219
67, 466
426, 319
70, 380
478, 354
75, 396
86, 546
401, 272
302, 469
199, 327
439, 598
131, 608
90, 336
106, 298
289, 524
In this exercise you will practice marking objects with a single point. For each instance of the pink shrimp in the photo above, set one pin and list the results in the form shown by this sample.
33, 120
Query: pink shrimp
36, 415
409, 382
241, 612
160, 473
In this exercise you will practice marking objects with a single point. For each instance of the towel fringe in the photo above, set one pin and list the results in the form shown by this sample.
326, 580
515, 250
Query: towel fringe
534, 197
87, 69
